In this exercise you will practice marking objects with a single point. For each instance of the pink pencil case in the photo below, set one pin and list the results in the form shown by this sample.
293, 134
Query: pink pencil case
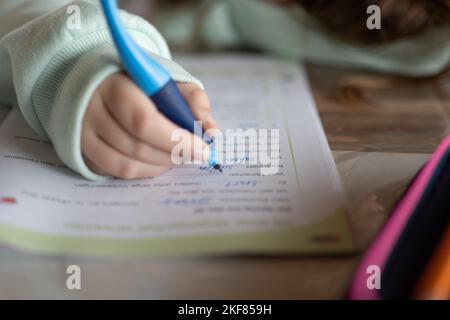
383, 246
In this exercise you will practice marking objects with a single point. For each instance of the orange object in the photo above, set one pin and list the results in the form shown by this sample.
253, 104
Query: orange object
435, 282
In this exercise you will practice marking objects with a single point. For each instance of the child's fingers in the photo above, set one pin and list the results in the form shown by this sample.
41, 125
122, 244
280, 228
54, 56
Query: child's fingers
137, 114
94, 168
156, 130
110, 161
200, 105
111, 132
140, 118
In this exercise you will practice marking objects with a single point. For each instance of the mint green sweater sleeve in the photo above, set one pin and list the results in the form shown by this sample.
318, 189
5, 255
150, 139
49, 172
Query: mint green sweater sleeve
49, 69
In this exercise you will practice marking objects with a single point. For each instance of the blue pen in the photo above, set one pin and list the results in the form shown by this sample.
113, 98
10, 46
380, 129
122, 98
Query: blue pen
152, 78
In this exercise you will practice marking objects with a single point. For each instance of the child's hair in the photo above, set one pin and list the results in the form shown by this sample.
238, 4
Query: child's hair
399, 18
346, 19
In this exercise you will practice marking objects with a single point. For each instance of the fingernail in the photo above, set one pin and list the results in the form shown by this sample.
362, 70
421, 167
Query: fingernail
209, 120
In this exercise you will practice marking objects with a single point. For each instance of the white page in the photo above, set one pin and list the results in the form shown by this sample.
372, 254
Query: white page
189, 200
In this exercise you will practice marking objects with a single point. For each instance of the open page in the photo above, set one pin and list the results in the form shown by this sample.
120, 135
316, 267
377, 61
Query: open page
288, 201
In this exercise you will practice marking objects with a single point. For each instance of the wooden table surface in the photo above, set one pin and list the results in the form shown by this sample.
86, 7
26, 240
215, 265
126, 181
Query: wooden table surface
380, 136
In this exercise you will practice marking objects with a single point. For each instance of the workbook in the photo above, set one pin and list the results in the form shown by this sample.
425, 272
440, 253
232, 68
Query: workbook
289, 204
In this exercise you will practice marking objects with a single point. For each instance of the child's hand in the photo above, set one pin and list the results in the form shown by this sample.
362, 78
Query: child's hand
125, 136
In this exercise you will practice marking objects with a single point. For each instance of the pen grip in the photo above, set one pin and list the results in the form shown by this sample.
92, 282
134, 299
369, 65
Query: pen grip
172, 104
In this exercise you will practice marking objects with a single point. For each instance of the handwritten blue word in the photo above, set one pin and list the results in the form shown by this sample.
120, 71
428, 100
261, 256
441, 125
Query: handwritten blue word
171, 201
241, 183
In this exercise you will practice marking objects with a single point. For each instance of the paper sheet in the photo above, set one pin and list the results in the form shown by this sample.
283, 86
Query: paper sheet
189, 210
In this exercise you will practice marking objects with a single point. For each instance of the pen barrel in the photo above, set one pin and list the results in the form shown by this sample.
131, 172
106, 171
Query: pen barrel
172, 104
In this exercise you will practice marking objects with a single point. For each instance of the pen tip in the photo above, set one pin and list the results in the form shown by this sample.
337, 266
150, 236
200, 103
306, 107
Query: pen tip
218, 167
